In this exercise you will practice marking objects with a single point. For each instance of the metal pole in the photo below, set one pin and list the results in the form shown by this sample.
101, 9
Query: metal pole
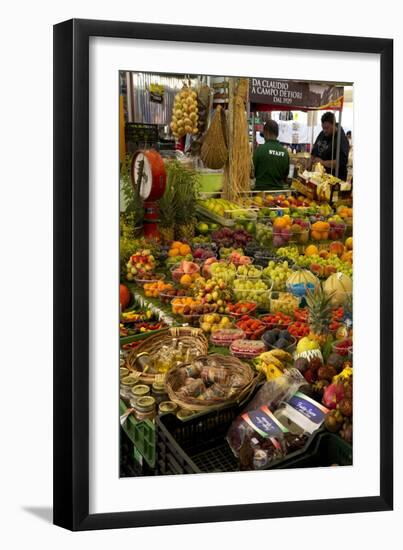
338, 146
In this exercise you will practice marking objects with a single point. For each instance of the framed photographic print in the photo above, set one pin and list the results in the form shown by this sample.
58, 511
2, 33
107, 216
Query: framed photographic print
222, 349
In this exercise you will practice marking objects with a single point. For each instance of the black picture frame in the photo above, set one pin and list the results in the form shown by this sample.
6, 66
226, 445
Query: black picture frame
71, 273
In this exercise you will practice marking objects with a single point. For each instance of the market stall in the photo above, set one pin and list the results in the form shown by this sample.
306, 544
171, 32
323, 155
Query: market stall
236, 306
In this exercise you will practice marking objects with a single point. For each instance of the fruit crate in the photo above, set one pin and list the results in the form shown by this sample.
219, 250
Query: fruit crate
327, 449
198, 445
214, 217
142, 434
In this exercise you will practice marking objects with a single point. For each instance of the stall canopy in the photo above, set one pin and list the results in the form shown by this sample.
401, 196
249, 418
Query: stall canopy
268, 94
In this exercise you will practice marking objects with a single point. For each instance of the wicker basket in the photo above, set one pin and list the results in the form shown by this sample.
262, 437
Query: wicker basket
234, 365
192, 338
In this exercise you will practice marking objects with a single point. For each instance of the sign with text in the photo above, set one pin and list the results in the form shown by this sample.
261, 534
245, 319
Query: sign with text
291, 93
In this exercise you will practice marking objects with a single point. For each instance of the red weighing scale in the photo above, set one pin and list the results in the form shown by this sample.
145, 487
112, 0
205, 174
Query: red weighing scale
149, 180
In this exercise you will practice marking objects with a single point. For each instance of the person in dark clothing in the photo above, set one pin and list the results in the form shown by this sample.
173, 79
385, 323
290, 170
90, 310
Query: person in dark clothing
271, 161
323, 151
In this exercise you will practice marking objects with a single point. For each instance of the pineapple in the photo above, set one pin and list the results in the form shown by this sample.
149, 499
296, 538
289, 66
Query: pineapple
185, 231
319, 314
185, 185
166, 206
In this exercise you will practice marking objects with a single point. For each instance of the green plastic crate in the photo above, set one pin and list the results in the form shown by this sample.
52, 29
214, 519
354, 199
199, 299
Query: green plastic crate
326, 449
141, 434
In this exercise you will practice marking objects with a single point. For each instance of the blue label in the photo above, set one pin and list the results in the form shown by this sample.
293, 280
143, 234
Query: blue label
299, 289
315, 412
263, 421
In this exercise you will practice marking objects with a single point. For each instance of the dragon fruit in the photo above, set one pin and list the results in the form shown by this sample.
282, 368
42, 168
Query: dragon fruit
332, 395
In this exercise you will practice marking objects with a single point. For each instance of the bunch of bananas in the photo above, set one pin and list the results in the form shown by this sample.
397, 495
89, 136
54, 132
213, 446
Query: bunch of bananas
272, 363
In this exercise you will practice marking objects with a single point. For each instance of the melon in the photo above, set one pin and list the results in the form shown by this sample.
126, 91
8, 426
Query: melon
125, 296
340, 286
301, 280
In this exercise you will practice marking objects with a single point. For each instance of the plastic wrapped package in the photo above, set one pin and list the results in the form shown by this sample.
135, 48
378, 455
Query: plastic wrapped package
257, 437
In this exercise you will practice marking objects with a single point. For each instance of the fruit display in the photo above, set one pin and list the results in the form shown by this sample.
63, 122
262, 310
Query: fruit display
179, 251
225, 252
236, 258
226, 237
168, 294
320, 308
211, 322
218, 206
337, 228
337, 319
278, 273
149, 278
252, 327
320, 231
204, 227
283, 302
279, 338
185, 273
224, 270
273, 363
249, 272
191, 310
140, 327
339, 288
225, 336
276, 320
324, 264
202, 254
343, 347
246, 349
153, 290
277, 296
206, 268
264, 234
213, 291
344, 212
301, 281
253, 291
290, 230
241, 308
298, 329
137, 321
185, 113
140, 262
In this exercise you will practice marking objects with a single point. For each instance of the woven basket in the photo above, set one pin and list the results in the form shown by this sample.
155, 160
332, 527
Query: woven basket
214, 150
192, 338
234, 365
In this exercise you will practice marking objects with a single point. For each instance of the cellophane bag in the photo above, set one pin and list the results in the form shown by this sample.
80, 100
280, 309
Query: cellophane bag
257, 437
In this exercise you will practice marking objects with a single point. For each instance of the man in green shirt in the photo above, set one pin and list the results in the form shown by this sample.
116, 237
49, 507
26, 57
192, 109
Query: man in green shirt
271, 161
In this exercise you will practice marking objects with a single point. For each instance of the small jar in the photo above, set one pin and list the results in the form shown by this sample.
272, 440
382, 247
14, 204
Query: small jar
130, 380
123, 372
140, 390
125, 393
167, 407
183, 414
144, 408
158, 392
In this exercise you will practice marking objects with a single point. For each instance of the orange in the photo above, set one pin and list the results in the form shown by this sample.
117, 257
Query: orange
173, 252
311, 250
184, 249
186, 280
280, 222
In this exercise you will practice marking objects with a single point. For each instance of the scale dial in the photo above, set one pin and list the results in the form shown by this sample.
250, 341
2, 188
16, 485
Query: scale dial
148, 174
